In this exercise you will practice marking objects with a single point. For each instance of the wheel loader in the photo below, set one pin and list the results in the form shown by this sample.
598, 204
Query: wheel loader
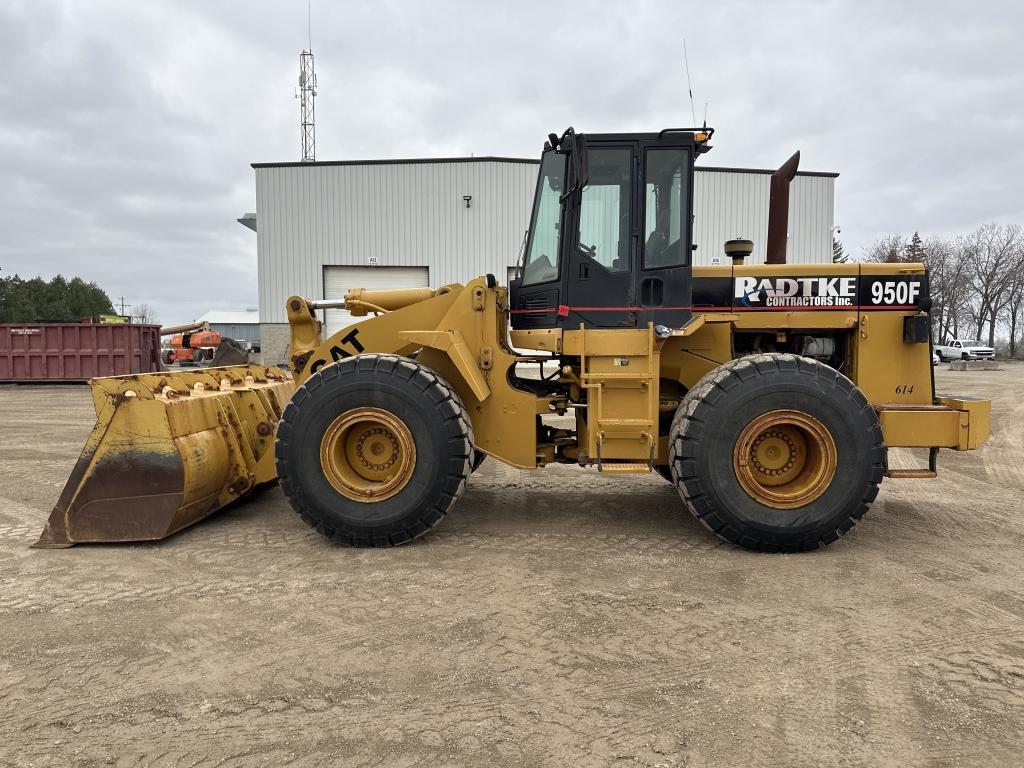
767, 394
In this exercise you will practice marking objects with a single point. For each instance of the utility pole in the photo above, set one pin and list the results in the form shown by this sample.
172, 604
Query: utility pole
123, 305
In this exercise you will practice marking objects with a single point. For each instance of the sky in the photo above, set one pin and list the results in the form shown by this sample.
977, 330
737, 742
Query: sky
127, 128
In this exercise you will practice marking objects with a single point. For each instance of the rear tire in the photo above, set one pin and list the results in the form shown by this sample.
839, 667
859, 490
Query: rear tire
397, 402
804, 415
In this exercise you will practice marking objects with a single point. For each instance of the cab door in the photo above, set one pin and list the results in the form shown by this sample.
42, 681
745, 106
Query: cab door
602, 237
664, 276
537, 294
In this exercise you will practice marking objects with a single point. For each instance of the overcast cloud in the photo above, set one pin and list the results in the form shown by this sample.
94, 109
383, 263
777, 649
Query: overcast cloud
127, 128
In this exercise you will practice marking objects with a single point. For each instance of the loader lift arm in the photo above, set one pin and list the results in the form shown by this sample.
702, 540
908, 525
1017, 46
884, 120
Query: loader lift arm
460, 333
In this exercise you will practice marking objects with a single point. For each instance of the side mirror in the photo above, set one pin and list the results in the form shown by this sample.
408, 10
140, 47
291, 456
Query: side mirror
581, 159
580, 168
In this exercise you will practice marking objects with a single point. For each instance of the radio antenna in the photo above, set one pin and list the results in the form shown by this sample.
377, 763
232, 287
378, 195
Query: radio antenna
689, 87
307, 93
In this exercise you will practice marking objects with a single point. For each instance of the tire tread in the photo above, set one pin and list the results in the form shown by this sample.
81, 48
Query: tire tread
457, 423
688, 427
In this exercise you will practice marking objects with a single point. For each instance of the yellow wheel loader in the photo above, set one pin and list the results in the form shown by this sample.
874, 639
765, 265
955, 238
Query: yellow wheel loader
767, 394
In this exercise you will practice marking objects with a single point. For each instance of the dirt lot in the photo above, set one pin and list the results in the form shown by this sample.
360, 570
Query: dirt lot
556, 618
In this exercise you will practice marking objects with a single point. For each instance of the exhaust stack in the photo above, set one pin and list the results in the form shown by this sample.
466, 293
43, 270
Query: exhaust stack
778, 210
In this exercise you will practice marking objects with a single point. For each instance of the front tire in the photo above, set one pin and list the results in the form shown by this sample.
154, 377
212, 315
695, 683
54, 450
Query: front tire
776, 452
374, 450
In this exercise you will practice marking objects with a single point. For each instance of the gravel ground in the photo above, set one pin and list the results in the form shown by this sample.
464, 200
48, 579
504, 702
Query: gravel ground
555, 618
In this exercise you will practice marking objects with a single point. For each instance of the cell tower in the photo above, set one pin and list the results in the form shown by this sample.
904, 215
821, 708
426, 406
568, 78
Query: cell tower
307, 97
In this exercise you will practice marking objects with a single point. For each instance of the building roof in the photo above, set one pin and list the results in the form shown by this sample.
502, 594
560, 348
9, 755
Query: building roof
490, 159
765, 171
230, 317
405, 161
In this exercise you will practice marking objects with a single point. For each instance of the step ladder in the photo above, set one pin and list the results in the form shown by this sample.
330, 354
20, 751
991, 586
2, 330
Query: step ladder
620, 370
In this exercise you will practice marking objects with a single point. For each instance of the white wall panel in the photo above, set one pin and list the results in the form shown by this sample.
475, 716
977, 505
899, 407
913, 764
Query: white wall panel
732, 204
397, 215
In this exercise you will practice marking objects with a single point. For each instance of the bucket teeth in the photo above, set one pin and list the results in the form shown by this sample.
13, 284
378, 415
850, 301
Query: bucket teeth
167, 450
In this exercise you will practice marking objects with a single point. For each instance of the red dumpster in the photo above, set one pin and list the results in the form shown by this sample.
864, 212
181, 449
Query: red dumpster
52, 352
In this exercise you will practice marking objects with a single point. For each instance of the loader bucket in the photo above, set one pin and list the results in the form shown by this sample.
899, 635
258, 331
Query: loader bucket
167, 450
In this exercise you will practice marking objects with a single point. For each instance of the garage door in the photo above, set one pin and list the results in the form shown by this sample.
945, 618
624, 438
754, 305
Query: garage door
338, 280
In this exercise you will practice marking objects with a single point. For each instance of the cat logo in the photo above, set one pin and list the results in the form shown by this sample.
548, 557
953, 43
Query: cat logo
337, 353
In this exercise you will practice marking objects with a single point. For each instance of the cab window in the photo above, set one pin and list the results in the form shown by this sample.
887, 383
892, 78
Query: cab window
542, 253
604, 231
666, 185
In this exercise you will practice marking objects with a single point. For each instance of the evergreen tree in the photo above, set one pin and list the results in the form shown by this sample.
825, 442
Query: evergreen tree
56, 301
838, 252
915, 250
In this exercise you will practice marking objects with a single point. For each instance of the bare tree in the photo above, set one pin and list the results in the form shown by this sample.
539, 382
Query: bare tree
891, 248
992, 253
974, 280
144, 314
949, 284
1014, 308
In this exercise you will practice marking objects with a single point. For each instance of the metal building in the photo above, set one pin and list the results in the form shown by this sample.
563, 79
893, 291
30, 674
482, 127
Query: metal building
733, 202
325, 227
240, 325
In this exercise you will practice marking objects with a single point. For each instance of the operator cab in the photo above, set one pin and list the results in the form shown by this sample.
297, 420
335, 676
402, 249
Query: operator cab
611, 235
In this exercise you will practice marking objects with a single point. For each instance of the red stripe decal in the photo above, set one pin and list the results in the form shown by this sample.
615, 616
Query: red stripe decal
563, 310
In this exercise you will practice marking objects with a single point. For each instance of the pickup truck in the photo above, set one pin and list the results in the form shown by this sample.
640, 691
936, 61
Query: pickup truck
964, 349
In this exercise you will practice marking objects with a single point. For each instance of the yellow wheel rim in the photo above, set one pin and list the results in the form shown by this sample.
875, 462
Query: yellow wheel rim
785, 459
368, 454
